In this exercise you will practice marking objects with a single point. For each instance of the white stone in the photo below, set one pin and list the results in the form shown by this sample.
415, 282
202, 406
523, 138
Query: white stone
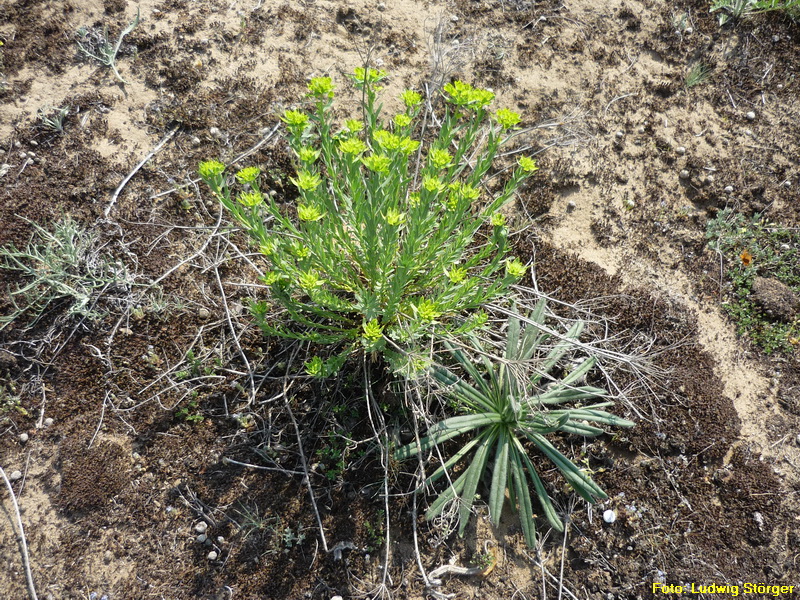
15, 475
23, 437
609, 516
750, 116
684, 174
48, 422
213, 555
680, 150
201, 527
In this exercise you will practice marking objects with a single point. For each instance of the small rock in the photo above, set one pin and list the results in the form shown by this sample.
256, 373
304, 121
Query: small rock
797, 439
15, 475
680, 150
641, 129
336, 598
776, 38
33, 143
48, 422
381, 6
203, 313
709, 179
684, 174
201, 527
750, 116
220, 540
787, 184
688, 31
108, 556
195, 140
454, 19
213, 555
777, 299
609, 516
619, 135
201, 539
571, 206
728, 189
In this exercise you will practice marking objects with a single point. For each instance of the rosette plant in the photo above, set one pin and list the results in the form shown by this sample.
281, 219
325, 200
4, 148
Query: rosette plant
385, 241
505, 412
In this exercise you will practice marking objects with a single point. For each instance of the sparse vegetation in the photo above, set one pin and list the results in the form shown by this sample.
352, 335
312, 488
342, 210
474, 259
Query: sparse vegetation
65, 267
753, 247
96, 45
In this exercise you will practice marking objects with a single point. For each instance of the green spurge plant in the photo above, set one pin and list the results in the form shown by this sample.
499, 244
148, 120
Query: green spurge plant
385, 241
503, 411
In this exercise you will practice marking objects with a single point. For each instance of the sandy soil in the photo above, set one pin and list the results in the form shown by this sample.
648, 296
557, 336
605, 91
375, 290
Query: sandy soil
114, 488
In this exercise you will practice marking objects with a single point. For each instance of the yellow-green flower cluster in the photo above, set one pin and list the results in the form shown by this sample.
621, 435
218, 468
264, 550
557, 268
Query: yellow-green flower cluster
211, 169
391, 142
507, 118
354, 125
361, 75
321, 87
377, 162
309, 212
411, 98
252, 198
440, 158
295, 118
432, 184
248, 175
352, 146
527, 164
515, 268
457, 274
306, 181
395, 217
309, 281
427, 310
498, 219
373, 330
463, 94
402, 120
307, 154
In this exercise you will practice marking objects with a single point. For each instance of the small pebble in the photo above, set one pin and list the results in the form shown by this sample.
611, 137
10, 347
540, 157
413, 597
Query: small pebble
797, 439
619, 135
33, 143
201, 539
220, 540
213, 555
201, 527
203, 313
787, 184
381, 6
108, 556
776, 38
680, 150
688, 31
750, 116
336, 598
728, 189
709, 179
15, 475
684, 174
48, 422
571, 206
609, 516
23, 437
641, 129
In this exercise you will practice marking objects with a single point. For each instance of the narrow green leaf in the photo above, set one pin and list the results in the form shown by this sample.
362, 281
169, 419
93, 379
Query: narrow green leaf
497, 493
473, 474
